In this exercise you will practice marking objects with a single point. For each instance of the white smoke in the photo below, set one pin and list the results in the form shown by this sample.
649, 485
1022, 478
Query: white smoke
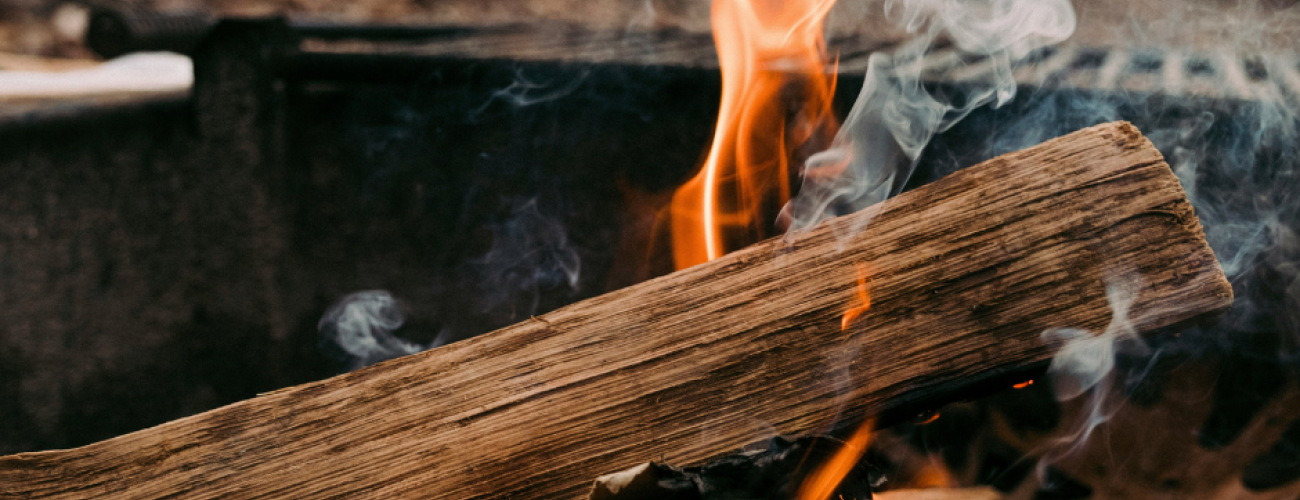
531, 253
895, 116
1237, 230
1084, 358
530, 256
524, 91
1085, 364
362, 325
1235, 157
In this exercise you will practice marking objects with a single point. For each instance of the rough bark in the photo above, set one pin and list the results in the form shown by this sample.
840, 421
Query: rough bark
966, 273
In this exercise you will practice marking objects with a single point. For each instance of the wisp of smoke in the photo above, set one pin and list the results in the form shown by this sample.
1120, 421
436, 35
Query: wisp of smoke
524, 92
1084, 359
1085, 363
530, 253
362, 324
1237, 160
895, 116
1237, 165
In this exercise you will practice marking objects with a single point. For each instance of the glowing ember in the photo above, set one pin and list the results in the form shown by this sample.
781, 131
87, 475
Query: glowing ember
932, 475
773, 57
1024, 384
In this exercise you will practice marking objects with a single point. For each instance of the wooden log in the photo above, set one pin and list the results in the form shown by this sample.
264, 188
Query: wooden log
966, 273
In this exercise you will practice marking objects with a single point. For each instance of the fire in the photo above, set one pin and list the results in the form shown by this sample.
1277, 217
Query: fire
1024, 384
864, 296
776, 100
822, 482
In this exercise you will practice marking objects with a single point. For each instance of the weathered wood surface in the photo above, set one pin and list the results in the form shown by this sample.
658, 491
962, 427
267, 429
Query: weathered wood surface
966, 274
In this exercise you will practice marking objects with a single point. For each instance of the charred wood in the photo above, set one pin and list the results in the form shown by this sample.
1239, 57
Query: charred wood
774, 472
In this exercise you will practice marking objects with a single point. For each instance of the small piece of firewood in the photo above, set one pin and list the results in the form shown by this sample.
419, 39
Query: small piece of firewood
965, 274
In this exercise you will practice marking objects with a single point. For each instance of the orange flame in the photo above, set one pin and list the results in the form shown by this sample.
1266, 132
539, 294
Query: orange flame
864, 296
1024, 384
822, 482
769, 50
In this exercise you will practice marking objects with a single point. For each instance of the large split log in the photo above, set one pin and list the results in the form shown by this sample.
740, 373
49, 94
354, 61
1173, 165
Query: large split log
965, 274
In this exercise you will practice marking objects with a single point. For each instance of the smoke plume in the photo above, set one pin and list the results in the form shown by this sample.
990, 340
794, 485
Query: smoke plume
531, 253
1084, 358
895, 115
524, 91
362, 324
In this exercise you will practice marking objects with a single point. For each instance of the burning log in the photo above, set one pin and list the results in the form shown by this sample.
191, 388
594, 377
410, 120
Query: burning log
964, 275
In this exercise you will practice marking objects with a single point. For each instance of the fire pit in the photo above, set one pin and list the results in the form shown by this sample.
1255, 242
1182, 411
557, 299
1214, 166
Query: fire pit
333, 119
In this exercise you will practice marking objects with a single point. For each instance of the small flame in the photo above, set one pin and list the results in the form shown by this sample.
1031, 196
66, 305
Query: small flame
929, 419
864, 296
767, 49
822, 482
1024, 384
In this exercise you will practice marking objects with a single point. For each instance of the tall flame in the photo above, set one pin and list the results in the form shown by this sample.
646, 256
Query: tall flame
776, 97
776, 100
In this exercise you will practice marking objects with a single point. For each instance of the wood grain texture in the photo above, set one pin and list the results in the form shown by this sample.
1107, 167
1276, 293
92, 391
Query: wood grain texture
966, 274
